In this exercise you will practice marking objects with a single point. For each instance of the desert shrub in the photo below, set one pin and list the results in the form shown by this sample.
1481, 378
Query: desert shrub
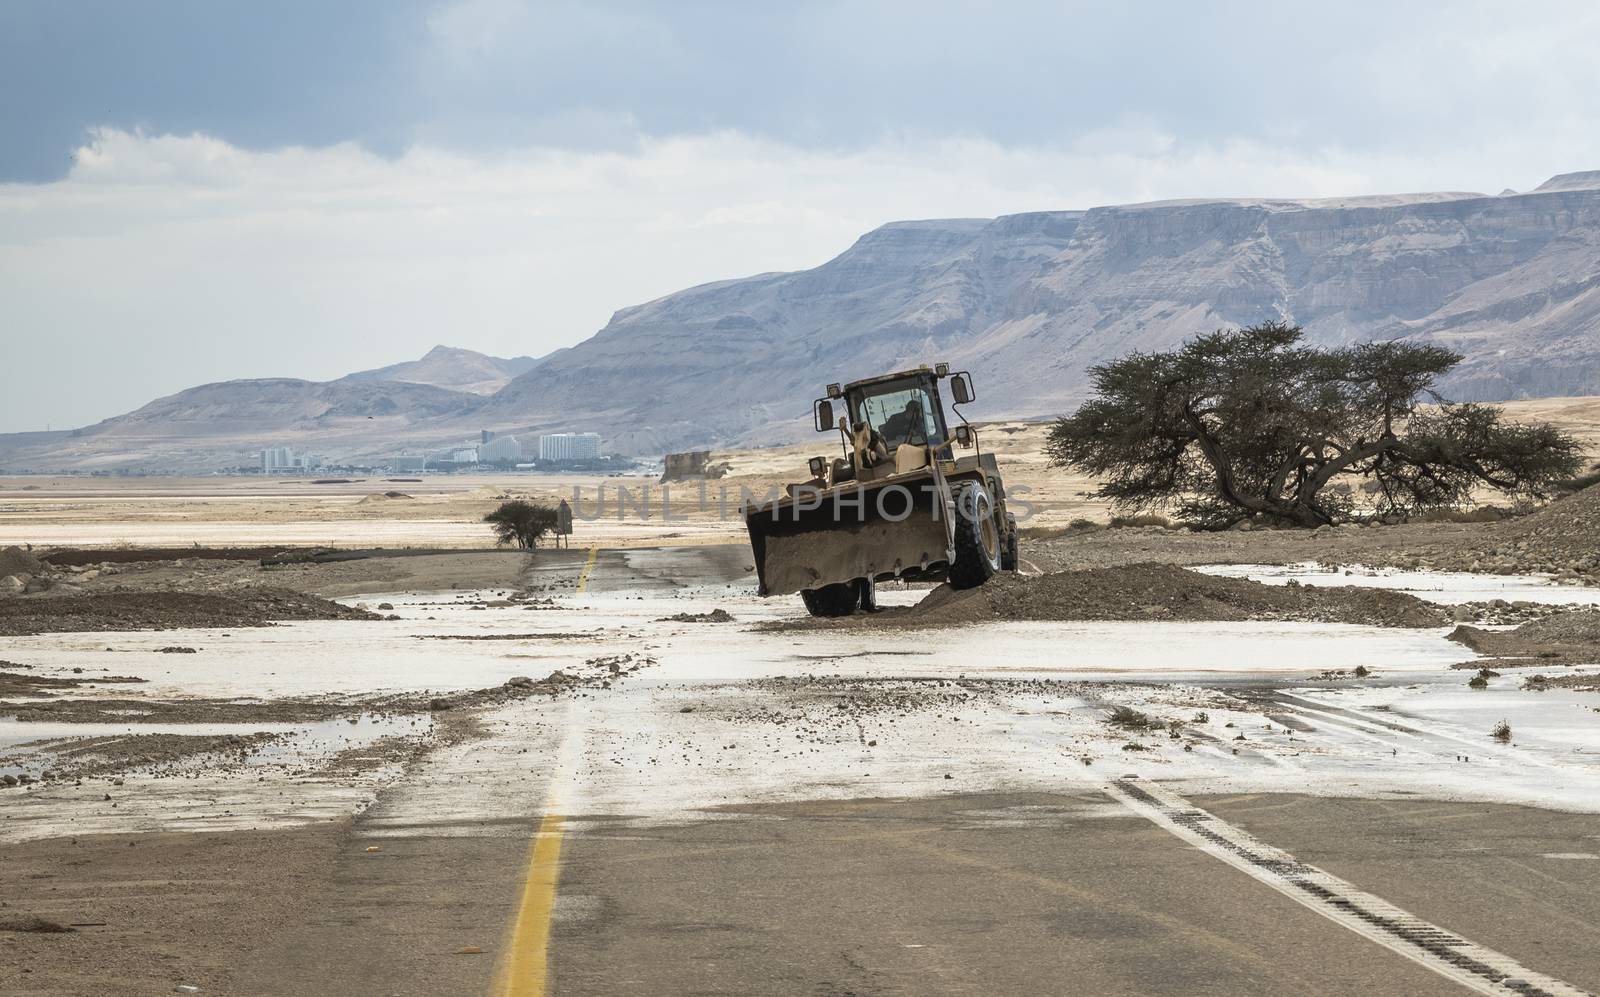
521, 523
1131, 719
1501, 732
1141, 519
1478, 682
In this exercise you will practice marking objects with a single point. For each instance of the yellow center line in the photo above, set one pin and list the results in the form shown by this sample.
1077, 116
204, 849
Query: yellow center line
583, 578
526, 967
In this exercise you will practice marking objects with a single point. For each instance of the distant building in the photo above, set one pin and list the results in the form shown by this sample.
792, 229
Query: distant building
409, 463
277, 460
485, 435
569, 446
468, 455
499, 448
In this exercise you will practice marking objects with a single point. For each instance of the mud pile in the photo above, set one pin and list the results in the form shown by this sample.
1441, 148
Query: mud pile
16, 561
1571, 638
255, 607
1167, 592
1560, 539
1579, 627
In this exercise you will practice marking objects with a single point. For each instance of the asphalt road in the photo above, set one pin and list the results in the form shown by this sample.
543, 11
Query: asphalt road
958, 894
970, 892
961, 894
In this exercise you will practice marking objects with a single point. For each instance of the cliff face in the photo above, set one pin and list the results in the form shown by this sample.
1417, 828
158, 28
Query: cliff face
742, 359
1030, 302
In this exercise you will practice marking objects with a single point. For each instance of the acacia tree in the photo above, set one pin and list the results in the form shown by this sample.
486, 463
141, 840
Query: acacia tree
521, 522
1253, 423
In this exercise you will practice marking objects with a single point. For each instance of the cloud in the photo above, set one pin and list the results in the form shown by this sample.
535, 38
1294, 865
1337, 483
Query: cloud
165, 260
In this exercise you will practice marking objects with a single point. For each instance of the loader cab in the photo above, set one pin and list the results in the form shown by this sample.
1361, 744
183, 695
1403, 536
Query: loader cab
901, 408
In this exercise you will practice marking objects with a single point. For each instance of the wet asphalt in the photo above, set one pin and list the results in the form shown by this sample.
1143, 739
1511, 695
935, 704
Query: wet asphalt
966, 893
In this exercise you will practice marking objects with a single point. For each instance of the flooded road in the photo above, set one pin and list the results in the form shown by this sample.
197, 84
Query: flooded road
706, 807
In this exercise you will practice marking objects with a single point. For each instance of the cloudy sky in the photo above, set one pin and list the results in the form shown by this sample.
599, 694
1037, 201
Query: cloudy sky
197, 191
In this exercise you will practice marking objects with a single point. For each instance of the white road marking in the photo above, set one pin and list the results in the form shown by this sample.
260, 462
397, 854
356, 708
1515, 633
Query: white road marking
1449, 955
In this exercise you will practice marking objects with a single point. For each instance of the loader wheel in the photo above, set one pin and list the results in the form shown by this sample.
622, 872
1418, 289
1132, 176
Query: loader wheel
977, 537
1008, 553
831, 600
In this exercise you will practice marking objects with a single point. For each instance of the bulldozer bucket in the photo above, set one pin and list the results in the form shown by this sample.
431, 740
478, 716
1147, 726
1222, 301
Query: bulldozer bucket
871, 531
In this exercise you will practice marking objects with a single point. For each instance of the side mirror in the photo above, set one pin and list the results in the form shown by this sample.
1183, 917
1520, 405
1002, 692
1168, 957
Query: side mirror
823, 412
964, 436
961, 388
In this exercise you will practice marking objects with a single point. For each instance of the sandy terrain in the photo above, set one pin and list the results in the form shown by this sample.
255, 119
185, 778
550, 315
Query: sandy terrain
446, 510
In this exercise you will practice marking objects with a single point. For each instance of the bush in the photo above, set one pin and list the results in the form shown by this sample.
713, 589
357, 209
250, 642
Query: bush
1130, 719
1478, 682
521, 523
1141, 519
1501, 732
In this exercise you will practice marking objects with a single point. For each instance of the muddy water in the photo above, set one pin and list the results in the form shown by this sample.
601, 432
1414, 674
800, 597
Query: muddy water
1445, 587
723, 715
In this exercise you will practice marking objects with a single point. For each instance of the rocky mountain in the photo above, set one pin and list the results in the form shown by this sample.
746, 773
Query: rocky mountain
1030, 302
455, 368
1027, 302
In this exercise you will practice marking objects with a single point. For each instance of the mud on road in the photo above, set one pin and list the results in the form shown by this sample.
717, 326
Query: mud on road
1146, 592
251, 607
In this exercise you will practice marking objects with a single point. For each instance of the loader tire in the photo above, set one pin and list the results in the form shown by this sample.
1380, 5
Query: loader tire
831, 600
1008, 553
978, 540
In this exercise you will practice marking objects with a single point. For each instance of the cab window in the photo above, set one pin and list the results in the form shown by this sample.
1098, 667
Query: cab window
901, 411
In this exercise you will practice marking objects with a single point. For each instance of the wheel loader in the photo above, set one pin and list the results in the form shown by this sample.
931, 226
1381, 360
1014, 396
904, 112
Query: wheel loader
899, 502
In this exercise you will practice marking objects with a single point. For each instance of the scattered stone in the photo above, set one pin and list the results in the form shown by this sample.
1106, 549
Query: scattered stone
715, 616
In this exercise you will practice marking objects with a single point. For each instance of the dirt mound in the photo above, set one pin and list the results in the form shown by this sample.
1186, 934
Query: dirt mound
167, 611
82, 557
16, 561
1166, 592
1571, 638
715, 616
1558, 538
1580, 627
